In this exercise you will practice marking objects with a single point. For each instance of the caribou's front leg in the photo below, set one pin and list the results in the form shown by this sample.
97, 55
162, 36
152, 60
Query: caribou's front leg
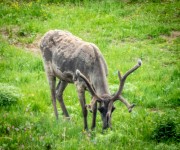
81, 95
94, 111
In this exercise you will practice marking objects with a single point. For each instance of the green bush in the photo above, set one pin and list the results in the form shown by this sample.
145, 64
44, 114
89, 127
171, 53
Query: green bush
8, 94
165, 131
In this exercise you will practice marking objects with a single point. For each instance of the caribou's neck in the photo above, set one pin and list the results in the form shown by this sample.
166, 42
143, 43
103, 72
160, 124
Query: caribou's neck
101, 86
99, 81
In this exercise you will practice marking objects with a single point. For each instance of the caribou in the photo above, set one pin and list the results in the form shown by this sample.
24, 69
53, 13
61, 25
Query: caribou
69, 59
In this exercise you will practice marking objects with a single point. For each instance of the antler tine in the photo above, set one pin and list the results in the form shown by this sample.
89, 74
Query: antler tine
132, 70
91, 90
119, 75
123, 79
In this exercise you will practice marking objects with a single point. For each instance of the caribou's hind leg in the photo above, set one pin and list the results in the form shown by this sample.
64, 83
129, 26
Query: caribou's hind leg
52, 84
59, 94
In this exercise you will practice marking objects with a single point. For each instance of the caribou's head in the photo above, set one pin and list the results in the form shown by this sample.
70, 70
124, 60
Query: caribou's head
106, 101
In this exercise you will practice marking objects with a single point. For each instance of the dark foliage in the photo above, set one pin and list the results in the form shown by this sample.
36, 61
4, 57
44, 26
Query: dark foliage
166, 130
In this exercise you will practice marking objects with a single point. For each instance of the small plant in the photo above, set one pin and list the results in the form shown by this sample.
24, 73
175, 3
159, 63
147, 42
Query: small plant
8, 95
165, 130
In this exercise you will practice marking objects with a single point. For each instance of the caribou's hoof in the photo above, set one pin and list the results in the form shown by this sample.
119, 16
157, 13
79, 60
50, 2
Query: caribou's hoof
131, 107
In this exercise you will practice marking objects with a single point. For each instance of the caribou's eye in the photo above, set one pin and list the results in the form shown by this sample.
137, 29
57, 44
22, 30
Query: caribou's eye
101, 109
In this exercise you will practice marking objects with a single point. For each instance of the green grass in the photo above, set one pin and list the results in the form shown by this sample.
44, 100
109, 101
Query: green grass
124, 31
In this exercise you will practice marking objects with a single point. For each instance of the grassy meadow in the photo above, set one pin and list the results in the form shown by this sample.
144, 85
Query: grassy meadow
124, 31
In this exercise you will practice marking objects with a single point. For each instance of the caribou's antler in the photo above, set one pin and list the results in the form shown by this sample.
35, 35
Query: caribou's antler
91, 89
122, 79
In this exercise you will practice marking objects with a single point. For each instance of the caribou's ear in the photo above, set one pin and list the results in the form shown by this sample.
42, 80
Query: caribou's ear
90, 106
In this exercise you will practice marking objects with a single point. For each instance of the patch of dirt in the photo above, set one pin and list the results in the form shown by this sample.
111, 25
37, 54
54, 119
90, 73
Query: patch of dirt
11, 36
172, 36
155, 110
34, 47
8, 32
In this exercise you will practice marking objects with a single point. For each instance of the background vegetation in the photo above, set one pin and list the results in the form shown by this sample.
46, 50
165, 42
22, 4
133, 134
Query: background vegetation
124, 31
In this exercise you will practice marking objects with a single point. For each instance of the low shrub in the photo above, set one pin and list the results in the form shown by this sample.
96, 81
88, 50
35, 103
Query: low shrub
166, 130
9, 94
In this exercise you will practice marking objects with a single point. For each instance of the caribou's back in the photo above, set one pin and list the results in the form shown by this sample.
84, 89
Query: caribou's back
64, 53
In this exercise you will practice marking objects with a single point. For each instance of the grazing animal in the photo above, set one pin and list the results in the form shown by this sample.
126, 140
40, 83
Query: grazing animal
72, 60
